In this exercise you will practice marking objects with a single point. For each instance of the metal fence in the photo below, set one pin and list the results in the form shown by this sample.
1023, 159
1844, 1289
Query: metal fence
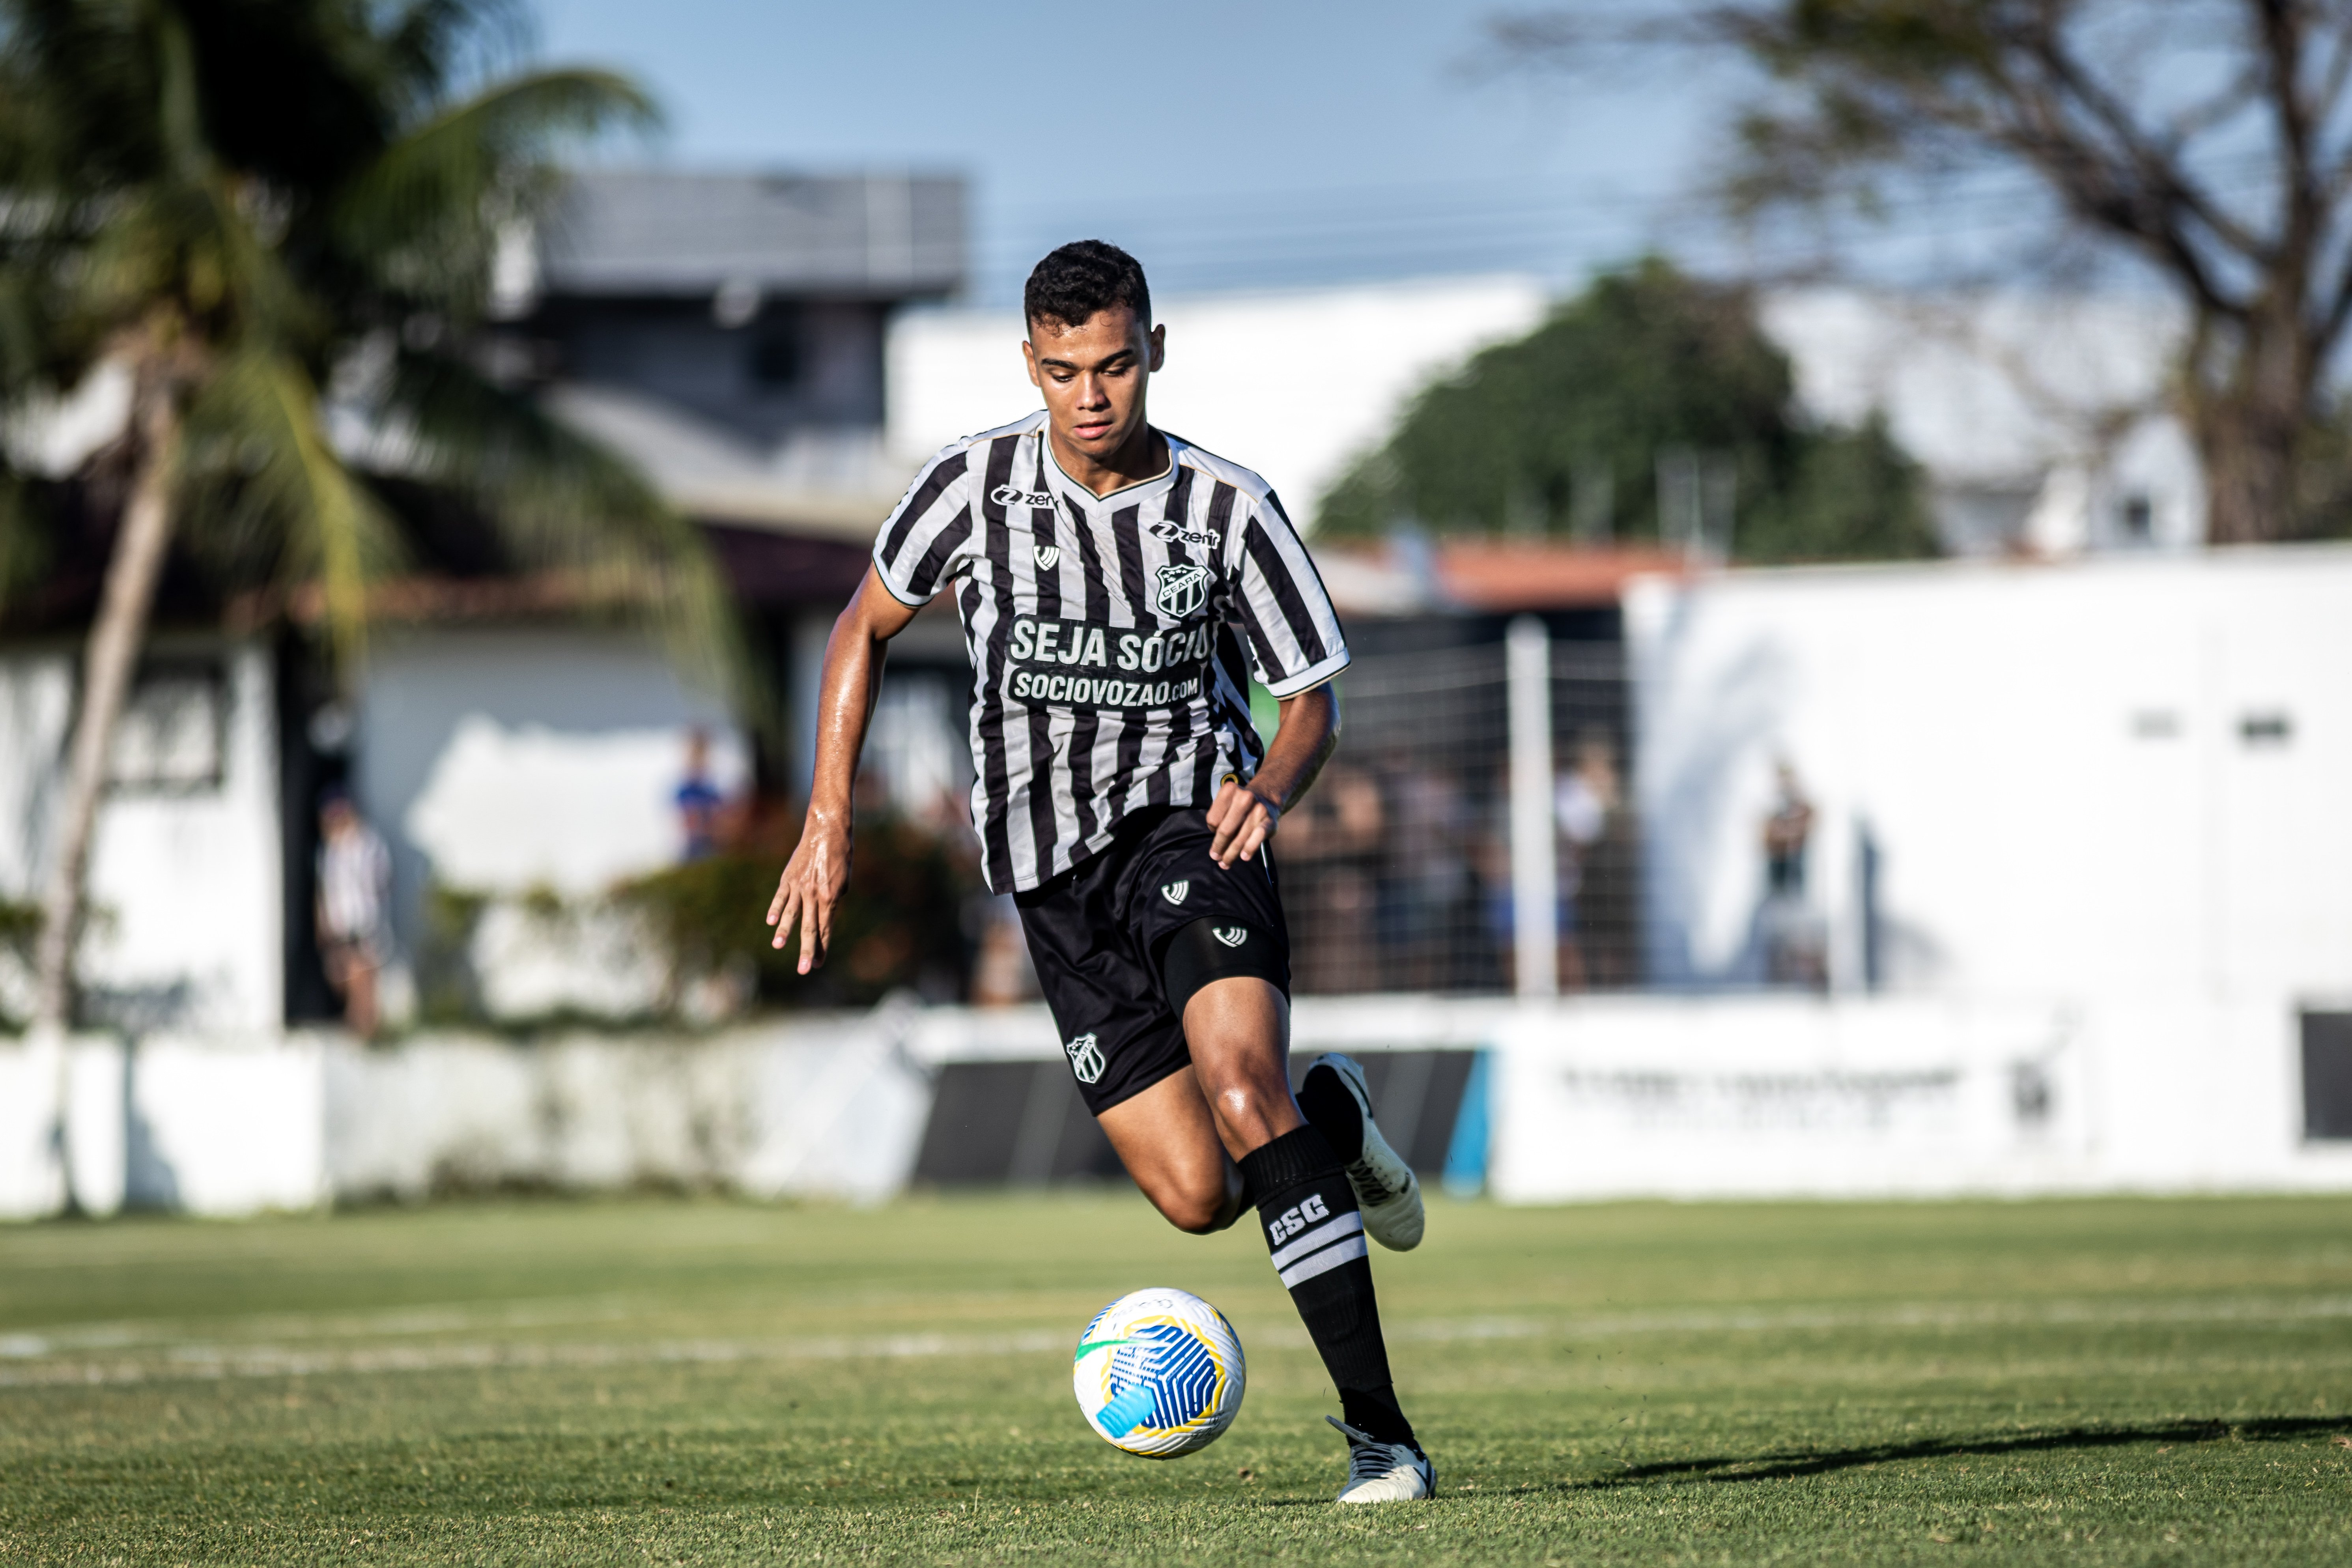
1398, 867
1445, 847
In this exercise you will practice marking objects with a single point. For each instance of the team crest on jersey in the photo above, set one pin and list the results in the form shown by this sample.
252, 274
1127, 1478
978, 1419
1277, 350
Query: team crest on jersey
1182, 590
1086, 1058
1170, 533
1231, 936
1048, 556
1014, 495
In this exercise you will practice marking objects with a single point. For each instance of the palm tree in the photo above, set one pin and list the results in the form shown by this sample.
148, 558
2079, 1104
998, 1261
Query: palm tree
245, 201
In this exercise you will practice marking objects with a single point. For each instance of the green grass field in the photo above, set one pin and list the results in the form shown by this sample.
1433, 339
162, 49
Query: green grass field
2124, 1381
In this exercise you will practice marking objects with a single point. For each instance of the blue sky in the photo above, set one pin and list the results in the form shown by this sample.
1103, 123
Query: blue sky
1231, 145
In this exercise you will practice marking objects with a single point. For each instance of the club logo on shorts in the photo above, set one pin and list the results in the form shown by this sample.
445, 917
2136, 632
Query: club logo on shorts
1086, 1058
1174, 891
1014, 495
1182, 590
1231, 936
1048, 556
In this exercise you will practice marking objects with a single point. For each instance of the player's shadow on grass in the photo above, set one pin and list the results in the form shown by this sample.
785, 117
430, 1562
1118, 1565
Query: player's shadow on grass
1777, 1466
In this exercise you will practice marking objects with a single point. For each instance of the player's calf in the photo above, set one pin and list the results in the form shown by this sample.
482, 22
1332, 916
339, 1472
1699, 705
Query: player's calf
1167, 1140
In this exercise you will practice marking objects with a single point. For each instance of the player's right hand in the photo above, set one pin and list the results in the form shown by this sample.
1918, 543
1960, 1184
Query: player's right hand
810, 889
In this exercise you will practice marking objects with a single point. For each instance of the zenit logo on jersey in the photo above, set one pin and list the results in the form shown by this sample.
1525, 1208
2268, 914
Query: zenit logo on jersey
1168, 533
1113, 638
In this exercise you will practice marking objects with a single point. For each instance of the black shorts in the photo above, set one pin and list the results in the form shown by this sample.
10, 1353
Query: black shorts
1100, 931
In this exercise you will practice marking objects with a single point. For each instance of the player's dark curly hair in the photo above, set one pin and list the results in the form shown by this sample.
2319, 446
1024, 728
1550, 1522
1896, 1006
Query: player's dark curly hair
1081, 277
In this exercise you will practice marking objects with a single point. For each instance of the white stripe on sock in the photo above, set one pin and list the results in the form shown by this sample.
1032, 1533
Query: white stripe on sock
1323, 1262
1321, 1235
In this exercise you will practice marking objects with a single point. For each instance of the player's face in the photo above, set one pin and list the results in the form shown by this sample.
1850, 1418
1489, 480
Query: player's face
1093, 376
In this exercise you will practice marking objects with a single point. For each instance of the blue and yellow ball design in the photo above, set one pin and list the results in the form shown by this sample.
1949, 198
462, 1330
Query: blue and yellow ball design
1158, 1372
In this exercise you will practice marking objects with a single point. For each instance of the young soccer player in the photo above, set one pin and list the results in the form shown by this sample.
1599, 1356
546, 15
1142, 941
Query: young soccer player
1118, 587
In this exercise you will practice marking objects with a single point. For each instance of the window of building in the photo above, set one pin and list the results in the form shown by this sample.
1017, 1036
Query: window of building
172, 737
2327, 1075
775, 350
2138, 519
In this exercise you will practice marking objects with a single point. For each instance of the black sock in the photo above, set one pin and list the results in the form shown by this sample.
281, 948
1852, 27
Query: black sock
1332, 1110
1317, 1237
1374, 1410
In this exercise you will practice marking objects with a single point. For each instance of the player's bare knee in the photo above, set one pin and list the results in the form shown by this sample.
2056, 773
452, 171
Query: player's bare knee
1193, 1211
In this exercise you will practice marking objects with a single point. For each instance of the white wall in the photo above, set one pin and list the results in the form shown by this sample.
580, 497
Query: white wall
36, 705
503, 760
209, 1124
188, 888
186, 892
2051, 759
1791, 1095
818, 1107
2076, 782
1293, 383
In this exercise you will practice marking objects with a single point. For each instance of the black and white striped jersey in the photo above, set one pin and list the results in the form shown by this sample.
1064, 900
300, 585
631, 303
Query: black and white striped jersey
1112, 638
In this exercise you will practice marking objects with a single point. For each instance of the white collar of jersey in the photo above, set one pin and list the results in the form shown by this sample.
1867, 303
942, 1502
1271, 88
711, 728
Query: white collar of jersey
1079, 492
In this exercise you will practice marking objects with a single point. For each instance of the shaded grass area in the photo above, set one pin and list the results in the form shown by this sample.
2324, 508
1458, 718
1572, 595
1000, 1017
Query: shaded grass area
2125, 1380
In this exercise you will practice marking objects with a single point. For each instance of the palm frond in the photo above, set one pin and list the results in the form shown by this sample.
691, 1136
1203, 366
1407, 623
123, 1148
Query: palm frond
563, 501
431, 46
259, 460
431, 204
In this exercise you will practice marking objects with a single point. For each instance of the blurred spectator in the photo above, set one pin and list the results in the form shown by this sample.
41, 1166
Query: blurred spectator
1427, 908
354, 939
701, 808
1001, 973
1584, 804
1329, 850
1785, 833
1795, 951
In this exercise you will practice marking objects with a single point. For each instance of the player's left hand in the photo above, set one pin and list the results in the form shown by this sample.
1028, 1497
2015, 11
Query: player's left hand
1243, 820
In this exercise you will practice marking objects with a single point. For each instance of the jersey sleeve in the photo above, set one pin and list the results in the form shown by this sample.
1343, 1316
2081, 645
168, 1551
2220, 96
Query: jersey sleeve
1293, 632
928, 536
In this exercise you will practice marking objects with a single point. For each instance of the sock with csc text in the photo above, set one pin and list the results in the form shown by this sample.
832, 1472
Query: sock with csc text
1317, 1235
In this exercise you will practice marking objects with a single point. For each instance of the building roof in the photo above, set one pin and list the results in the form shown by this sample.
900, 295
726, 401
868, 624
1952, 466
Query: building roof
655, 232
1490, 576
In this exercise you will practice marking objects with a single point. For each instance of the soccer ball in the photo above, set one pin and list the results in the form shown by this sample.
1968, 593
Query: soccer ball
1159, 1373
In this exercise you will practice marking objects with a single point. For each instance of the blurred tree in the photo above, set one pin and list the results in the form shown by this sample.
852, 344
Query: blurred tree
241, 201
2211, 139
1552, 433
901, 923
